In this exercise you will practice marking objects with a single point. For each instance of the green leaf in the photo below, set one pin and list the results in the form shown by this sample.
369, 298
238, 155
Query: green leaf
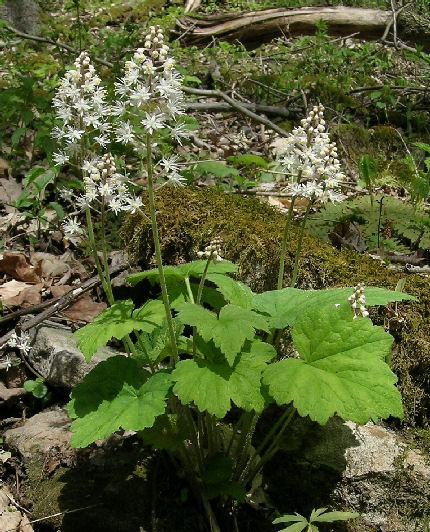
297, 527
290, 518
316, 513
116, 393
329, 517
341, 370
218, 468
367, 169
229, 331
181, 272
218, 383
247, 159
284, 306
423, 145
37, 387
58, 209
18, 135
216, 168
41, 182
233, 291
118, 321
33, 174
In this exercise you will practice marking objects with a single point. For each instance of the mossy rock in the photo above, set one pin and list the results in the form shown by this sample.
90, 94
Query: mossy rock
190, 217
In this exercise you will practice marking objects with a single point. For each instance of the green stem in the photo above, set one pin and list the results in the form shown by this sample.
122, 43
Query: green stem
104, 251
194, 439
299, 245
198, 298
163, 285
95, 256
202, 280
189, 291
284, 243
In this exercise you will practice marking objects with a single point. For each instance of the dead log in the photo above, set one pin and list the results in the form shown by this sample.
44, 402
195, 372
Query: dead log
255, 27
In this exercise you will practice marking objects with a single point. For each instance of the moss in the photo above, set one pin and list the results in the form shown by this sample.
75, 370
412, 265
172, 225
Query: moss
189, 217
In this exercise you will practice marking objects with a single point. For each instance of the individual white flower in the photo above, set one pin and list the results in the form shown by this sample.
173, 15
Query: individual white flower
73, 134
124, 133
153, 122
72, 227
22, 342
133, 204
60, 158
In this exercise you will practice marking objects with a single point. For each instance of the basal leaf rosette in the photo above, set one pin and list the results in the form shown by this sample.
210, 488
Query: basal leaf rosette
211, 386
341, 369
117, 393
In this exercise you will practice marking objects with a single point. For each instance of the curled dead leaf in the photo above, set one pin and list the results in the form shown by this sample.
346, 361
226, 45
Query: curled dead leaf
16, 265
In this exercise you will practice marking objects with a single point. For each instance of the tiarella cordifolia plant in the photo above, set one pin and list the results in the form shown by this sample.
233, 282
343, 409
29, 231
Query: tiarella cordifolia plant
176, 387
310, 162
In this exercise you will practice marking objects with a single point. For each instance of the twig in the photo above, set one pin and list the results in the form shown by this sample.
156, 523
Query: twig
61, 303
219, 106
54, 515
54, 43
236, 105
11, 499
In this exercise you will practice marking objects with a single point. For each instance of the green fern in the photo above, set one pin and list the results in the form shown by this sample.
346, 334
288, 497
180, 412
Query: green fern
404, 221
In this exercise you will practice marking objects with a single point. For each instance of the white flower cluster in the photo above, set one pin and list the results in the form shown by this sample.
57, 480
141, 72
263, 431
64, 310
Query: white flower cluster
358, 301
22, 342
310, 160
150, 95
81, 106
102, 181
72, 229
213, 251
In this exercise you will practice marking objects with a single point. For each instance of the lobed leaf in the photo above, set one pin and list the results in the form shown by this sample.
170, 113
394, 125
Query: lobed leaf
118, 321
116, 393
341, 370
228, 331
218, 383
182, 271
234, 292
284, 306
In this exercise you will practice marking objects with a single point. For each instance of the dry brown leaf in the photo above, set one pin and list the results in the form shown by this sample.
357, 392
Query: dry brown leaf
60, 290
48, 265
15, 293
16, 265
10, 190
85, 309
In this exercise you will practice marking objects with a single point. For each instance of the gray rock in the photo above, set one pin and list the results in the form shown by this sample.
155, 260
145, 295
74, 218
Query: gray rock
381, 477
57, 358
42, 436
22, 15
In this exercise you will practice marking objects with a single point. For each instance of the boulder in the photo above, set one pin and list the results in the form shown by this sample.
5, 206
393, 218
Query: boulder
57, 358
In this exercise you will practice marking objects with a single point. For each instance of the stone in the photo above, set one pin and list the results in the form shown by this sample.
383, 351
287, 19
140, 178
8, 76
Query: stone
57, 358
380, 476
7, 394
44, 436
23, 15
11, 518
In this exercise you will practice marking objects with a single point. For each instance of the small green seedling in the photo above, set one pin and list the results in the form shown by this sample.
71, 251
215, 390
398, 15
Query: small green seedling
317, 516
37, 388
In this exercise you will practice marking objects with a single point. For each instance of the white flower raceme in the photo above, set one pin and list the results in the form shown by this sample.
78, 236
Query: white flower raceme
358, 301
310, 160
212, 251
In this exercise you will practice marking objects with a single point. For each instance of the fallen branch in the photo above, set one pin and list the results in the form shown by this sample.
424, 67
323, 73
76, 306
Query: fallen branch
56, 305
238, 106
255, 27
255, 107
